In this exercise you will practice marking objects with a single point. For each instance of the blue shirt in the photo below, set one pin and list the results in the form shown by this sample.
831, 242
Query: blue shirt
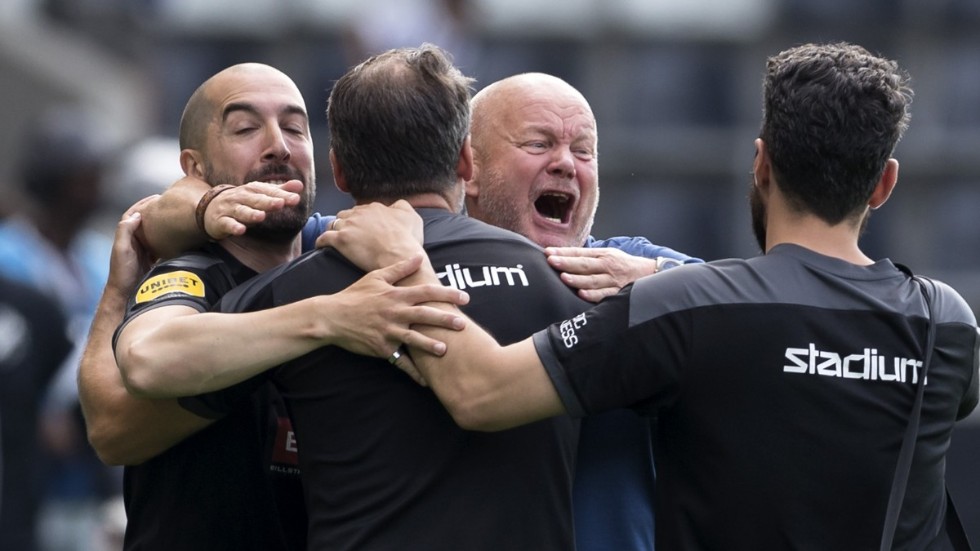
614, 471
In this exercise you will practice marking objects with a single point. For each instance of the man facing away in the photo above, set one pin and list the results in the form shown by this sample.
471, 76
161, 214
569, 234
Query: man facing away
229, 483
384, 465
535, 172
782, 384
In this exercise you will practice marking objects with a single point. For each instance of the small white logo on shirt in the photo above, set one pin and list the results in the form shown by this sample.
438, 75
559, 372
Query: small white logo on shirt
489, 276
568, 328
868, 365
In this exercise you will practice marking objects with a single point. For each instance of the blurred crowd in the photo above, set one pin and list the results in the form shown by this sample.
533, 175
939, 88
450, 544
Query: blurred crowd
55, 244
71, 178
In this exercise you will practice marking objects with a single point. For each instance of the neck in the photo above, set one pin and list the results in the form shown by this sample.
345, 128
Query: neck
838, 241
424, 200
261, 255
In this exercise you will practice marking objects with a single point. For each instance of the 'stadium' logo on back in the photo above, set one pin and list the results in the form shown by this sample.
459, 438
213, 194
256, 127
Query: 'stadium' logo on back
868, 365
485, 276
182, 282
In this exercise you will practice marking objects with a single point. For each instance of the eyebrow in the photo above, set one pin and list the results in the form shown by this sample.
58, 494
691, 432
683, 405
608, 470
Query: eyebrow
249, 108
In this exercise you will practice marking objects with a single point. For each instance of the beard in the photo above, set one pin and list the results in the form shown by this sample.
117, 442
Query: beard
279, 226
516, 214
758, 210
500, 209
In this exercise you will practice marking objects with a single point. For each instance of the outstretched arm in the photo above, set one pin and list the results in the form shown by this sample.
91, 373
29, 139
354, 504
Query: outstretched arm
176, 351
484, 386
122, 429
170, 224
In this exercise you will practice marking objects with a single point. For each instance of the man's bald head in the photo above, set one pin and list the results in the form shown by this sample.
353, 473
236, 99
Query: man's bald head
201, 107
493, 100
535, 169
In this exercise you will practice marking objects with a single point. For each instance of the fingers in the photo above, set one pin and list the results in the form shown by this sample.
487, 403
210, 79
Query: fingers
400, 270
126, 228
128, 261
404, 205
574, 252
596, 295
374, 235
140, 205
417, 340
589, 281
231, 212
578, 264
293, 188
418, 294
428, 315
324, 239
406, 364
128, 225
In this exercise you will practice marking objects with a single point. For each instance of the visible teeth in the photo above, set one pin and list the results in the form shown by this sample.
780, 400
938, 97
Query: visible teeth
553, 206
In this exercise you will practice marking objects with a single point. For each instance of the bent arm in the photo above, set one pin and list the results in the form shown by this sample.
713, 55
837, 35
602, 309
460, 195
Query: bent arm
122, 429
176, 351
169, 225
485, 386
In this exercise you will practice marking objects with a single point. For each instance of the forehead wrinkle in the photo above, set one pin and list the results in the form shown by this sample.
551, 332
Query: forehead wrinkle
561, 128
539, 110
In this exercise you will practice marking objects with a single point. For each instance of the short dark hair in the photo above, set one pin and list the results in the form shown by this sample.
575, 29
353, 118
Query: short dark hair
833, 116
398, 122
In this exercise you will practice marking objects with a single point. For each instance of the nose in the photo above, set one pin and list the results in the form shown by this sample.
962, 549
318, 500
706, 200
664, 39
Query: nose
562, 163
277, 149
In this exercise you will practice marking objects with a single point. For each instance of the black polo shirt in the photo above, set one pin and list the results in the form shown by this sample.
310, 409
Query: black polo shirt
782, 386
234, 485
384, 465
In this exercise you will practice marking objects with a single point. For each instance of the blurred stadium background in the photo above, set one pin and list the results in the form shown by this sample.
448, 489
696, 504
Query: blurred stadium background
675, 86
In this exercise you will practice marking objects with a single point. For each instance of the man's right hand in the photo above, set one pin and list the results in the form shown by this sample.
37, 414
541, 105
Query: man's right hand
374, 236
130, 260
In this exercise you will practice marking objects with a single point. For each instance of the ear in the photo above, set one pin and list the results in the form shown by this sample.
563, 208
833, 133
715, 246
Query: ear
192, 163
761, 172
886, 184
464, 168
339, 179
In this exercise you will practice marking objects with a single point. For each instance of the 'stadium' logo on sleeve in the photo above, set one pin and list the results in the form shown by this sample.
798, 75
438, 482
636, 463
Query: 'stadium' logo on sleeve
185, 283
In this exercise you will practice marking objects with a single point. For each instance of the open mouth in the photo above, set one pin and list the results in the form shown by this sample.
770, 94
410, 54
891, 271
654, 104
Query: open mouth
555, 206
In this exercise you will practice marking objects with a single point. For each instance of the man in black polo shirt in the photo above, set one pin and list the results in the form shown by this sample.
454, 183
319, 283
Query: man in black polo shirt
782, 384
231, 483
384, 465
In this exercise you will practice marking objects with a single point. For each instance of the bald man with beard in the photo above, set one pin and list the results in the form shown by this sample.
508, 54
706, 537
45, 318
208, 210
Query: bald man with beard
194, 482
535, 156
